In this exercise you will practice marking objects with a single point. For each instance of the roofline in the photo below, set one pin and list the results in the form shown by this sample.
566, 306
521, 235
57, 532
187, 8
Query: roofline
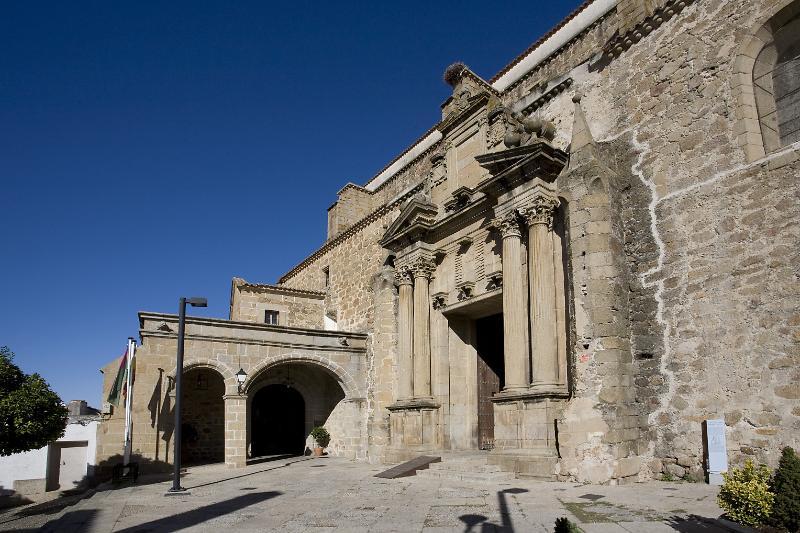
581, 18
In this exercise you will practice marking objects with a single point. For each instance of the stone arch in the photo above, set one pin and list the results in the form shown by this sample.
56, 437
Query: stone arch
341, 375
752, 134
228, 375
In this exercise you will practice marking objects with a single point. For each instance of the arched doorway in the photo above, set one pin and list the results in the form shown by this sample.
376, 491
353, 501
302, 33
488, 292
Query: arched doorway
203, 417
278, 421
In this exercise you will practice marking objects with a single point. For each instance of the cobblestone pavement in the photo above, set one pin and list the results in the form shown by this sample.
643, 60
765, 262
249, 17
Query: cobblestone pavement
331, 494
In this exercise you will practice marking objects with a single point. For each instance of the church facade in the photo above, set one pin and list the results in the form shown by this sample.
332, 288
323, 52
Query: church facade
592, 253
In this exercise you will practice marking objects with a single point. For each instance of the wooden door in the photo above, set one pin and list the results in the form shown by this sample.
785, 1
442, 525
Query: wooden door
489, 337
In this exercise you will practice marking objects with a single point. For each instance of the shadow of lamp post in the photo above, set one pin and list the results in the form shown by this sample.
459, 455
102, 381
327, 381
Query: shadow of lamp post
194, 302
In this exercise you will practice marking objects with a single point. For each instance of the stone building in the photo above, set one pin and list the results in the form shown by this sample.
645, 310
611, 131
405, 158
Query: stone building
591, 253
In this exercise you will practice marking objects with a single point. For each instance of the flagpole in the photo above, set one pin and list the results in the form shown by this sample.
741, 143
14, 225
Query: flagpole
128, 396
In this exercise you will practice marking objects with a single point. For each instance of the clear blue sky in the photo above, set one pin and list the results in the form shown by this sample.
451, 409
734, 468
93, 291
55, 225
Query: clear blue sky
150, 150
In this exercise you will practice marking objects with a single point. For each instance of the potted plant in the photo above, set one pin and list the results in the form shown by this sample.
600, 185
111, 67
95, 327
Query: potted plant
322, 438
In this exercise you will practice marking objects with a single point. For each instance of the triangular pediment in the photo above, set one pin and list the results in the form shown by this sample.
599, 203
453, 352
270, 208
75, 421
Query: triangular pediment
416, 218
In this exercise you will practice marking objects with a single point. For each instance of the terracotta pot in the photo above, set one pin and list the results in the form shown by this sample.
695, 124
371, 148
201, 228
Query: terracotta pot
318, 451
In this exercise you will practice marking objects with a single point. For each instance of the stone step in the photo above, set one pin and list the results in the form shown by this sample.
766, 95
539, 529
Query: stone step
455, 475
466, 467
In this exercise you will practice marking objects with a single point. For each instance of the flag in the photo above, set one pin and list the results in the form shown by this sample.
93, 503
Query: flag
119, 383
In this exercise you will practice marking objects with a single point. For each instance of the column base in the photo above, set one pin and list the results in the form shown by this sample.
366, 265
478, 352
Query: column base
414, 424
554, 389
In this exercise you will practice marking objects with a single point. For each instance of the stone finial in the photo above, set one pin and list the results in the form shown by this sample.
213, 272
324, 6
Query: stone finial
581, 134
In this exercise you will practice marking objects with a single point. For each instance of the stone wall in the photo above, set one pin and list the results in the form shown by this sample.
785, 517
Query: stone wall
203, 417
298, 309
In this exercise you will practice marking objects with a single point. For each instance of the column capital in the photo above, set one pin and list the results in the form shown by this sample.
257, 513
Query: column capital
423, 266
539, 210
403, 276
508, 225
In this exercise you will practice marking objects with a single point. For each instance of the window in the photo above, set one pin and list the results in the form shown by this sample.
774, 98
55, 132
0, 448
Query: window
776, 80
327, 273
271, 317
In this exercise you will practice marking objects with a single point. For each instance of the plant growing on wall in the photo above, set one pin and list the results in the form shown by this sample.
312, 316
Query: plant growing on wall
321, 436
31, 415
745, 494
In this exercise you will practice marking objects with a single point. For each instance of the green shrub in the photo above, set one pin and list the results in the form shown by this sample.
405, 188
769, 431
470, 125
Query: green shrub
321, 436
564, 525
745, 494
786, 488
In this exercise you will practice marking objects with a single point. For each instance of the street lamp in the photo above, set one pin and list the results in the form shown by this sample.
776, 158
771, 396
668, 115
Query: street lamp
194, 302
241, 375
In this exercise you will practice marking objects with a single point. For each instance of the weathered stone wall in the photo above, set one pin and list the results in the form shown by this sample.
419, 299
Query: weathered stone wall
731, 308
203, 417
665, 111
353, 204
297, 309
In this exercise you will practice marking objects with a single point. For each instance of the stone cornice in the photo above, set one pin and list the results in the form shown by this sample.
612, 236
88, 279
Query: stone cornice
619, 43
220, 322
259, 342
277, 289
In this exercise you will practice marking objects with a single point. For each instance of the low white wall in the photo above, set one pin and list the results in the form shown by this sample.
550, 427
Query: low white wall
33, 464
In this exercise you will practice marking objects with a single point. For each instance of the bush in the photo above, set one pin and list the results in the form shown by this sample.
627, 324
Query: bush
321, 436
786, 488
564, 525
745, 494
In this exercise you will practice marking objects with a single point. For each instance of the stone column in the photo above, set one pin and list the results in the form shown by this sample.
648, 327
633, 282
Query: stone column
405, 334
422, 268
515, 319
235, 430
541, 272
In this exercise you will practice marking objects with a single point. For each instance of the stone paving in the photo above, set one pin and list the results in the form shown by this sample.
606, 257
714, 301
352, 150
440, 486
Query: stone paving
331, 494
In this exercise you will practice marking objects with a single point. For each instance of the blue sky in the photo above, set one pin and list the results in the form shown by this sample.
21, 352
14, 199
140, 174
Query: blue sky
150, 150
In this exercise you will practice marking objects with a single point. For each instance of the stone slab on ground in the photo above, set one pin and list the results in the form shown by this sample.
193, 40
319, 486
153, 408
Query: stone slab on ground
409, 468
331, 494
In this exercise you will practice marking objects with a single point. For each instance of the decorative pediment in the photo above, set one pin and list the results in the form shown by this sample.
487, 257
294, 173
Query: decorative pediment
512, 167
470, 92
416, 218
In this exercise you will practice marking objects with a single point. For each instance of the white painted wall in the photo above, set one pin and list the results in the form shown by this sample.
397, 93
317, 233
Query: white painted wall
33, 464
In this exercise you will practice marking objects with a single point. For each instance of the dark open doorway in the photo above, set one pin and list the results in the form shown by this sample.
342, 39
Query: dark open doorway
278, 421
489, 345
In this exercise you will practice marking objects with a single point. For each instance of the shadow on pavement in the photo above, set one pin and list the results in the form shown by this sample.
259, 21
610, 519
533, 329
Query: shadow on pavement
506, 525
201, 514
695, 524
249, 473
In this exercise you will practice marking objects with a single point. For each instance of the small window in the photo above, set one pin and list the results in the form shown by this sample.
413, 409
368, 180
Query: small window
271, 317
327, 273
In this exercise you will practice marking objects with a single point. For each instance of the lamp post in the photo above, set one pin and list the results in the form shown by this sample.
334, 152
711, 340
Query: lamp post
241, 375
176, 434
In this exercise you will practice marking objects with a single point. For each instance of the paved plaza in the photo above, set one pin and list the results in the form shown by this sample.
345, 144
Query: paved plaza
330, 494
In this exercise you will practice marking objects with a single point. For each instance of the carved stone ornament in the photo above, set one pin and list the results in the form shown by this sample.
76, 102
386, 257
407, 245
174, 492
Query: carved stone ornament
540, 211
423, 267
508, 225
466, 290
439, 300
403, 276
495, 280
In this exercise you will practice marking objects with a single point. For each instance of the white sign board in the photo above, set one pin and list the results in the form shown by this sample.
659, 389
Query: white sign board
717, 451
